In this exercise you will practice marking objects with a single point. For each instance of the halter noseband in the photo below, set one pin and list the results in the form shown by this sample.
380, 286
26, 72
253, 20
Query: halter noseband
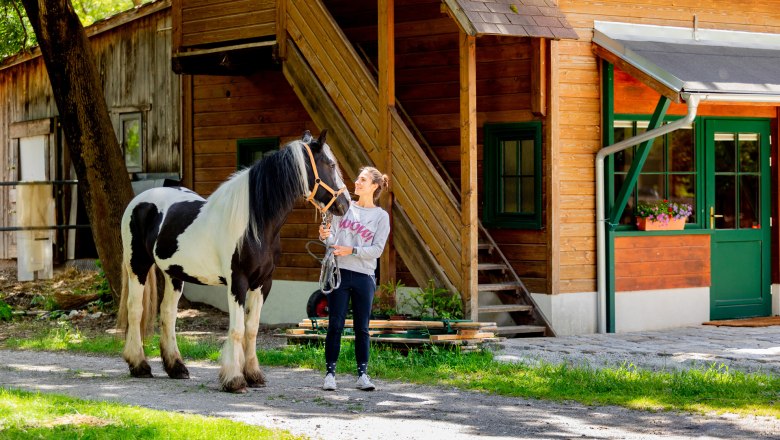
318, 182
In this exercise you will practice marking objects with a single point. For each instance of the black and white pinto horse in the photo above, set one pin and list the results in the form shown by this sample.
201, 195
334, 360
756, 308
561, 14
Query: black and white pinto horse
231, 238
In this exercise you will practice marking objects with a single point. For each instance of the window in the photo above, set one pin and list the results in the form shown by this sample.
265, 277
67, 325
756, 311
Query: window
513, 175
132, 140
670, 171
252, 150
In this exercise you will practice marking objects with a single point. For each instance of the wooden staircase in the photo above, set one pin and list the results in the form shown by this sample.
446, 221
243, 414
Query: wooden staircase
339, 92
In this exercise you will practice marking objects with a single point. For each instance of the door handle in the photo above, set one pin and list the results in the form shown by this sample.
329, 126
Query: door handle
713, 216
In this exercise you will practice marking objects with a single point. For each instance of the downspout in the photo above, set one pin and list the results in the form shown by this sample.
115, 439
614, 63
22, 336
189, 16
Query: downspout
601, 269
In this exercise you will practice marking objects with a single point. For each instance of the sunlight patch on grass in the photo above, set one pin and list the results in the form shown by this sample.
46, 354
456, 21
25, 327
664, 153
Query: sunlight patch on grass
47, 416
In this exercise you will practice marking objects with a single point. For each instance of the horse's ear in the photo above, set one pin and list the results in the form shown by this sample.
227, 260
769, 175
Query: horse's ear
307, 137
324, 133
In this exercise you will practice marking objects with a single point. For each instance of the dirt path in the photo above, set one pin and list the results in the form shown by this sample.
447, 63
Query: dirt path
397, 411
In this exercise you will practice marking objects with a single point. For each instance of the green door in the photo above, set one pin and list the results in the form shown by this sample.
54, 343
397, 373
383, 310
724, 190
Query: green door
737, 209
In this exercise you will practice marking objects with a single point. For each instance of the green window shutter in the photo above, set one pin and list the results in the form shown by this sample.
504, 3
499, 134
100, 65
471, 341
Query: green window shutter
512, 171
251, 150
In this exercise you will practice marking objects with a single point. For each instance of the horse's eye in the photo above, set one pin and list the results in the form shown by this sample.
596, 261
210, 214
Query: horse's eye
333, 166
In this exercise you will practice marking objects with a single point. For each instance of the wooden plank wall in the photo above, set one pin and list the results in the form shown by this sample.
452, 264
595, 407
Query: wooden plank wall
662, 262
427, 87
209, 22
229, 108
580, 136
134, 62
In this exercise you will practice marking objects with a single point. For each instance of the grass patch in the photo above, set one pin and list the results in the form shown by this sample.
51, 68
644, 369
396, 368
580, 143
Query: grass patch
713, 388
26, 415
66, 338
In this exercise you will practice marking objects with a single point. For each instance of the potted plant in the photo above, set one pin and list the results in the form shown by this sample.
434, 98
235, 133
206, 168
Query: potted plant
662, 215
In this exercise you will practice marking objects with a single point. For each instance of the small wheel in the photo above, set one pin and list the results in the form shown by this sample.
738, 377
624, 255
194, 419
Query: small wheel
318, 305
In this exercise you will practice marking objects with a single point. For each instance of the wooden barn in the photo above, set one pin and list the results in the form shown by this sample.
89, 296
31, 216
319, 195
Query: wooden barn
143, 94
514, 133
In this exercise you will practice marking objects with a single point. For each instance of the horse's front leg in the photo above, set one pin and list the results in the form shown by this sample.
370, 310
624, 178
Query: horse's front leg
232, 359
254, 304
169, 349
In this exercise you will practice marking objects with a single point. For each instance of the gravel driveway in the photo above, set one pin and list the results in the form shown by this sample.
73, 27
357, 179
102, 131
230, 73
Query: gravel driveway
293, 401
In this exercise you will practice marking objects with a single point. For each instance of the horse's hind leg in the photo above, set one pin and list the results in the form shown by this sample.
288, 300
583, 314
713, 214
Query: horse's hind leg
254, 303
133, 352
169, 349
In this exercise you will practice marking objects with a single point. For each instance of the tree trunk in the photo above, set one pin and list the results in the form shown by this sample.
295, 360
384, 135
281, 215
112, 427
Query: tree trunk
103, 181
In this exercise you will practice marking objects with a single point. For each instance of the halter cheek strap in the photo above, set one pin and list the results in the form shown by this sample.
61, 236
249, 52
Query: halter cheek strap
317, 183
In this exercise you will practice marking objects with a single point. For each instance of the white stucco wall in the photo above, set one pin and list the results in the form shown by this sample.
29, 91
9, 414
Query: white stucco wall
569, 313
661, 309
286, 303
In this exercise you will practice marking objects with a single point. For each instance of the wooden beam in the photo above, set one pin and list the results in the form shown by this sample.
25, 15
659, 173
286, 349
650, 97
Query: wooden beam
176, 26
539, 77
31, 128
468, 172
187, 144
386, 29
636, 73
281, 30
552, 178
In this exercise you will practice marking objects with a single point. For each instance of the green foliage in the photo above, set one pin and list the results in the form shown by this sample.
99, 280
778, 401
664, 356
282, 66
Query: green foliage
16, 33
102, 287
15, 30
435, 302
6, 312
384, 303
25, 415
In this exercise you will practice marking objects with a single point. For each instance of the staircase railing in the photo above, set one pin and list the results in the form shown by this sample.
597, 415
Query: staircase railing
422, 192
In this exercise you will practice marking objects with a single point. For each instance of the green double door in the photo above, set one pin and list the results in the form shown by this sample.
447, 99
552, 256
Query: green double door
737, 211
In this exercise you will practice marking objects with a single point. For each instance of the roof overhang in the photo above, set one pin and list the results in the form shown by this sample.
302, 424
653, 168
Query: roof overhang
723, 65
519, 18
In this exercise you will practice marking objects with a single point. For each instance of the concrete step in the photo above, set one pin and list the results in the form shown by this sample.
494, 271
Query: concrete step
505, 308
521, 329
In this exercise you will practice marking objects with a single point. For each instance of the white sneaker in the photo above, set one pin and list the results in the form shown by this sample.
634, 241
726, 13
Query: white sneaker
364, 383
330, 383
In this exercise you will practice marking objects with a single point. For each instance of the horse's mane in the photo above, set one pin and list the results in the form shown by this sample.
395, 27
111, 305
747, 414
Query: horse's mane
251, 198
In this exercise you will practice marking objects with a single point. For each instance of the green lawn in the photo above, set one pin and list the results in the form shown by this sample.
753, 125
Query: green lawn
700, 390
26, 415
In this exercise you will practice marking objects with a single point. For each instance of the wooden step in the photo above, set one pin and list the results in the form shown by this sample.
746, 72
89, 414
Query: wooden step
525, 329
491, 266
485, 247
505, 308
498, 287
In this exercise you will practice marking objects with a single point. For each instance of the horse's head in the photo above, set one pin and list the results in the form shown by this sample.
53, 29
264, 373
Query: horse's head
325, 183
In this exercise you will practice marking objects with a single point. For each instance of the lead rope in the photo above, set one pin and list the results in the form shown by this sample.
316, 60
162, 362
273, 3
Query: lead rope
330, 276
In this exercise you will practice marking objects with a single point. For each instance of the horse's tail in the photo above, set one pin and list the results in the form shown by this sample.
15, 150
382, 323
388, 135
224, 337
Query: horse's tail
148, 302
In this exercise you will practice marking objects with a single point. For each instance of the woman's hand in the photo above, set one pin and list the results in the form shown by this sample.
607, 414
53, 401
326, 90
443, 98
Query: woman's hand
341, 251
324, 232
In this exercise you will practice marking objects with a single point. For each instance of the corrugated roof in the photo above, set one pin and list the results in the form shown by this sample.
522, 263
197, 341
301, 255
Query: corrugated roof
519, 18
684, 60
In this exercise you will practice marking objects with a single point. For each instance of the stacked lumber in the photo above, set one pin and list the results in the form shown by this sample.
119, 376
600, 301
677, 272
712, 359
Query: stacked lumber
466, 334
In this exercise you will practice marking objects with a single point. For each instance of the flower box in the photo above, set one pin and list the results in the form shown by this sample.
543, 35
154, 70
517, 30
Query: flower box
662, 215
674, 224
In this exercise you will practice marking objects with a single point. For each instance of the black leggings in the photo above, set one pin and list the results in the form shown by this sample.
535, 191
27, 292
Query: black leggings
360, 289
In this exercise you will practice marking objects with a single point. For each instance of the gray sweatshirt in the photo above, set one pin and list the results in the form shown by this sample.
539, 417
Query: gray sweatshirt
365, 229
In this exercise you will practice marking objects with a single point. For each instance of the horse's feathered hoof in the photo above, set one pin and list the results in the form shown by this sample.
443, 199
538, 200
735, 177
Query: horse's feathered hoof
236, 385
178, 370
143, 370
255, 379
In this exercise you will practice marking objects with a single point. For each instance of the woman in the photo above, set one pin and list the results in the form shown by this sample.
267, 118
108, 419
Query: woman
357, 239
